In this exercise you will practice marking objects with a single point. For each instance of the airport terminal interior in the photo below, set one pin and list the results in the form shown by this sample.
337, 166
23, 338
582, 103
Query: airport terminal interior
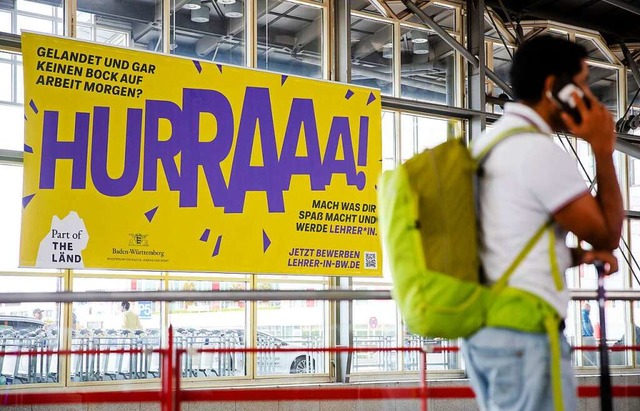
442, 71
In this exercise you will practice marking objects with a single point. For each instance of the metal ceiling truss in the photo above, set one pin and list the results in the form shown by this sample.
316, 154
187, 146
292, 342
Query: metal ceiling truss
454, 44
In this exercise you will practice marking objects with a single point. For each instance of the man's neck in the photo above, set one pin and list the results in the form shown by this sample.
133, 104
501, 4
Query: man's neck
543, 108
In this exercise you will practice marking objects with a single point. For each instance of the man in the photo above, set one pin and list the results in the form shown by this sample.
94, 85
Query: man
527, 180
130, 320
37, 314
588, 340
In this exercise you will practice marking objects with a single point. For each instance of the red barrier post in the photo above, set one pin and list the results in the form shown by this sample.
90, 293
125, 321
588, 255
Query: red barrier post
423, 380
177, 374
166, 376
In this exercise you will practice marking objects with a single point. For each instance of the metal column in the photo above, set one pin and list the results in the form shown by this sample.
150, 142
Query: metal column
342, 41
476, 95
342, 310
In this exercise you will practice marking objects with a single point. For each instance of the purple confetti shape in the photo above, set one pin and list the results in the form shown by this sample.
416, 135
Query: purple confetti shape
219, 67
198, 66
349, 94
33, 106
283, 79
205, 236
151, 213
371, 99
25, 117
28, 149
26, 200
216, 249
266, 242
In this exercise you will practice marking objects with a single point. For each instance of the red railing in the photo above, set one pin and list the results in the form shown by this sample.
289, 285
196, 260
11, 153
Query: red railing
171, 395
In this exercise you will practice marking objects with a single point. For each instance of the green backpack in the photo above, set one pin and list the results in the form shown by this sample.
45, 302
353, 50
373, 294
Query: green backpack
428, 229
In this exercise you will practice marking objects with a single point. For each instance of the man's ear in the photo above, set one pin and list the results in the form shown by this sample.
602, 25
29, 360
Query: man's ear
548, 84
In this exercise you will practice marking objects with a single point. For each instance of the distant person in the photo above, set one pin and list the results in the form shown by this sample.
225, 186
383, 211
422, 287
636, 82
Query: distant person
587, 327
130, 320
37, 314
588, 340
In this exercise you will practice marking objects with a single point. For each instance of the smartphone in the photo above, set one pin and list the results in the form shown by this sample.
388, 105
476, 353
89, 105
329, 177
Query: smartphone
563, 96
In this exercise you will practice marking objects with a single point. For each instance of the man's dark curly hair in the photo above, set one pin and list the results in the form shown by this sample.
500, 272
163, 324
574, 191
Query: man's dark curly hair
539, 58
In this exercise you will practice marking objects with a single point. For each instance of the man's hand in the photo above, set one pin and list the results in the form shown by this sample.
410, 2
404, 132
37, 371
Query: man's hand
610, 261
597, 125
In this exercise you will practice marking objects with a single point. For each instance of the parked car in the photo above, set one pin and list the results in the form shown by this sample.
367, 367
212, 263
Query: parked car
18, 322
268, 363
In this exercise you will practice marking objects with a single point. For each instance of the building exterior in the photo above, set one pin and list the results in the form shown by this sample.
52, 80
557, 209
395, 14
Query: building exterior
429, 91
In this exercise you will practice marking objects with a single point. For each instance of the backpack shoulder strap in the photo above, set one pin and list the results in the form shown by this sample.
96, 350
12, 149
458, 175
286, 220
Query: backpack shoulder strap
501, 136
504, 279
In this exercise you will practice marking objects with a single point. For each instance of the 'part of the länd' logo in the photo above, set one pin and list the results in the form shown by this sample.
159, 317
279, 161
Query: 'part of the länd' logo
139, 240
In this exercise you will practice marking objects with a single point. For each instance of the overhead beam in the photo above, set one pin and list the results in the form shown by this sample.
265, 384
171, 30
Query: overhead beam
10, 42
309, 33
11, 157
473, 60
237, 25
383, 8
430, 23
499, 26
630, 62
627, 148
499, 82
137, 11
213, 27
624, 6
373, 43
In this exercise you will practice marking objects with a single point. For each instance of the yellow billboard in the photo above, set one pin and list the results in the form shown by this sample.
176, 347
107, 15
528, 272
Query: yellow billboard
143, 161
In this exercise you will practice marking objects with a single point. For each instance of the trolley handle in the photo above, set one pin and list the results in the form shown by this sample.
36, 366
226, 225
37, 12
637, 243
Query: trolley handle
606, 400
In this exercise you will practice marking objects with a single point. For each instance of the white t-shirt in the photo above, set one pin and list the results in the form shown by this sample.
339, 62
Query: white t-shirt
526, 179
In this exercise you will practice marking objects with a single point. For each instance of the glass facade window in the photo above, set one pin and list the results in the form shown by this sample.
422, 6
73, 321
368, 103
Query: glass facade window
634, 185
375, 325
29, 327
372, 54
633, 100
603, 83
634, 266
427, 67
210, 30
587, 165
10, 215
113, 326
501, 61
40, 16
292, 325
388, 140
419, 133
209, 325
595, 53
290, 38
120, 23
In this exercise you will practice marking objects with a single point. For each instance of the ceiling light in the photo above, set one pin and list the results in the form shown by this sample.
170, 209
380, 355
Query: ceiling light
387, 52
200, 15
418, 36
420, 48
226, 1
192, 5
234, 10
